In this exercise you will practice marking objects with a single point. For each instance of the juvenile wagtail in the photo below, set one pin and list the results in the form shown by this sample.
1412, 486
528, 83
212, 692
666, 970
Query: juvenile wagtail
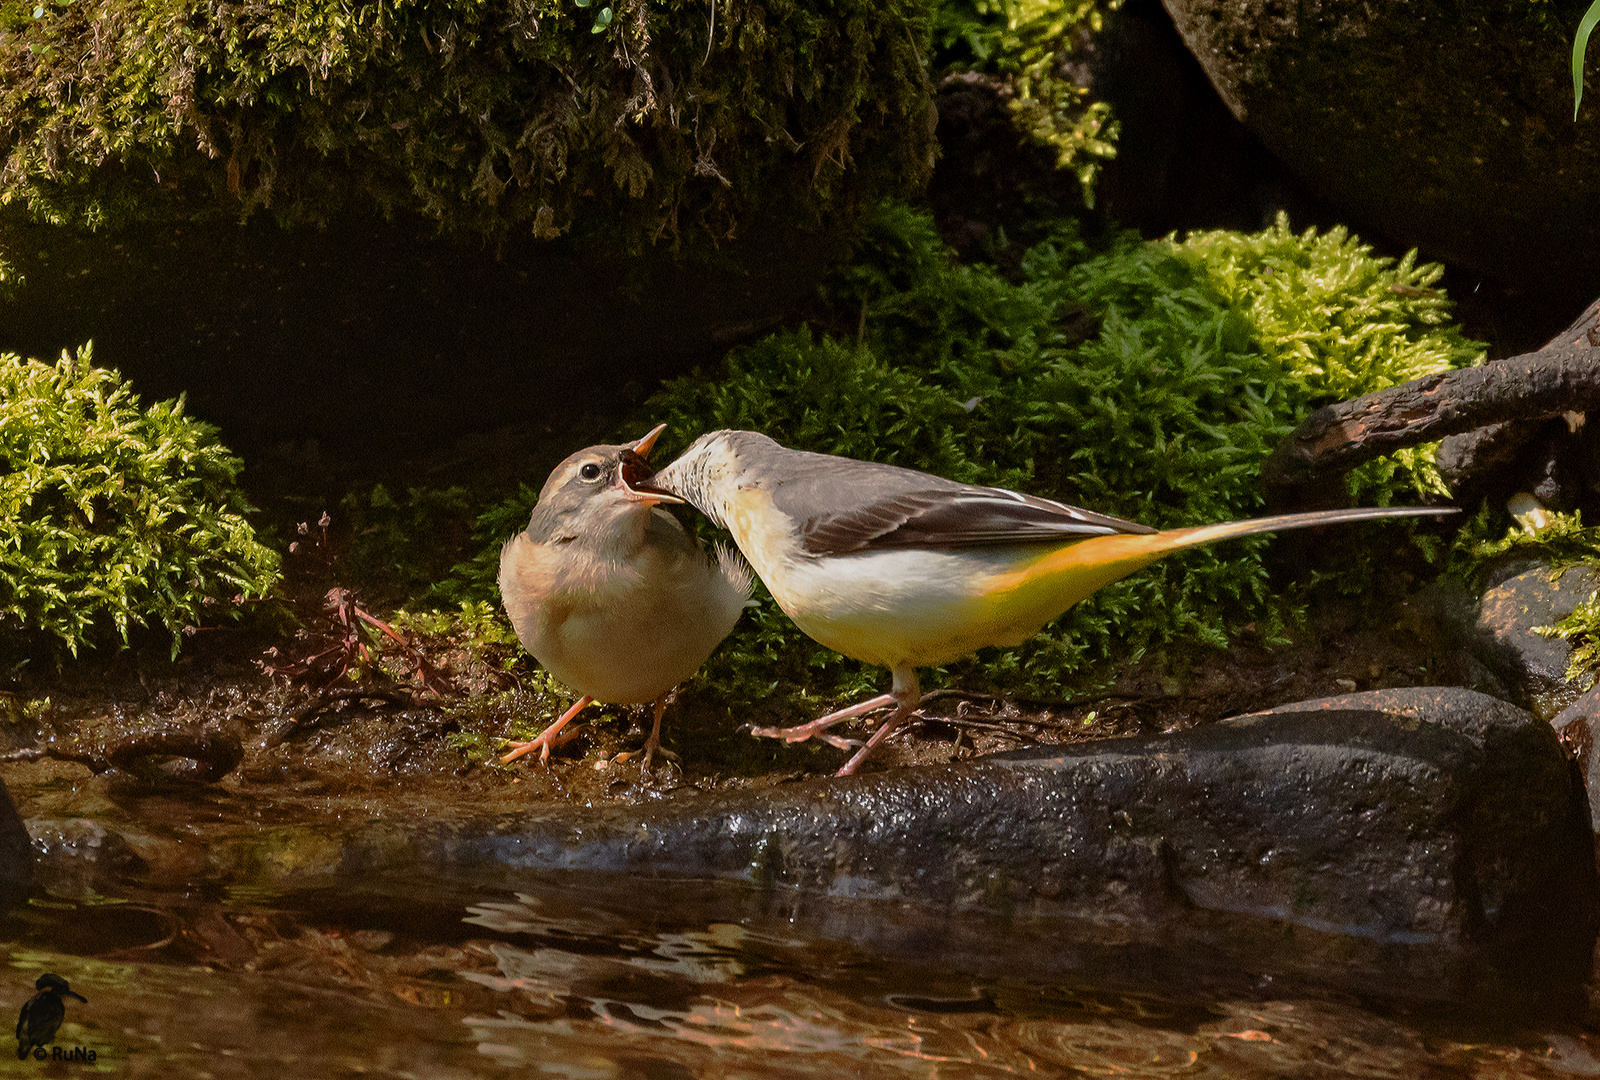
903, 569
608, 591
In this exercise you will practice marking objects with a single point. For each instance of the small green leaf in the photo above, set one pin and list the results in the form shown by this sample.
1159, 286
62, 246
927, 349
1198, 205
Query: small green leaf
1580, 48
603, 20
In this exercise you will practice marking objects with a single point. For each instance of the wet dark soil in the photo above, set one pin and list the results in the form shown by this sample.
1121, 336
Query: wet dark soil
386, 736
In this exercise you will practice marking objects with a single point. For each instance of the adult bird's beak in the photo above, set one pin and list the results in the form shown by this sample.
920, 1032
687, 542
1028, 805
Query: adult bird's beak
634, 471
642, 446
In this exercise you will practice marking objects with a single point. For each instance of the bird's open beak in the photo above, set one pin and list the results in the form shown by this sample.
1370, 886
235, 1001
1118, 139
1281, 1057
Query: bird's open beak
633, 474
643, 446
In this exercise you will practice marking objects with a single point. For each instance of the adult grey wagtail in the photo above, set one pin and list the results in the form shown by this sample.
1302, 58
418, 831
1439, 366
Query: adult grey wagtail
608, 591
904, 569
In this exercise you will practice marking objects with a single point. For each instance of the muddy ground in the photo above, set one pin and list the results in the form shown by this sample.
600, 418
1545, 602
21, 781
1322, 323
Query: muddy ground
387, 736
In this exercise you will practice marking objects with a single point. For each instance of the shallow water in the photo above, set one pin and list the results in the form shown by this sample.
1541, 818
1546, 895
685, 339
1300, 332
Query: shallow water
587, 978
240, 945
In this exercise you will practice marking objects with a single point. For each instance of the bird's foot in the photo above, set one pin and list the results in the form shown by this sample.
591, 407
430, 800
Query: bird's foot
818, 728
545, 742
646, 754
802, 733
889, 725
550, 737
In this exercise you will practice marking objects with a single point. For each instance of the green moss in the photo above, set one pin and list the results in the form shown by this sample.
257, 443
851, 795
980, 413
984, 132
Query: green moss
113, 516
1341, 323
1562, 543
1029, 47
1581, 629
479, 625
492, 117
1485, 545
401, 543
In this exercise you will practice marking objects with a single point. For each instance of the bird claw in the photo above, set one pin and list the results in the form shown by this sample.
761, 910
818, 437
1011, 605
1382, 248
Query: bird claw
802, 733
786, 734
544, 743
646, 756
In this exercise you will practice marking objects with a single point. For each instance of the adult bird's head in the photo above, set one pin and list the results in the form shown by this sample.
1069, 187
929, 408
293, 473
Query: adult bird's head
713, 467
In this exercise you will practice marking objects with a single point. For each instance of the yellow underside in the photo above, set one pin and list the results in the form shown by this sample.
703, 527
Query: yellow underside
964, 601
922, 606
1017, 603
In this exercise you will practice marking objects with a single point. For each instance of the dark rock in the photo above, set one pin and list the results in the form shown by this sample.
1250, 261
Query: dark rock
175, 752
1547, 458
1557, 474
77, 857
1428, 847
1578, 728
1533, 665
1183, 160
16, 854
1443, 125
1479, 716
990, 187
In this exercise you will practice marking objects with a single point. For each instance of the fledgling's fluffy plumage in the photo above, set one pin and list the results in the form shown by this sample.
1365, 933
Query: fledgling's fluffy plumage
609, 592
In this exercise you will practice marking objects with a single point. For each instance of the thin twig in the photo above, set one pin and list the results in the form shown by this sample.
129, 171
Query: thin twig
1047, 703
963, 722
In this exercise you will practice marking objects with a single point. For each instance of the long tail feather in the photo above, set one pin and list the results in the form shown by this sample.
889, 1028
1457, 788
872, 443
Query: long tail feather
1206, 534
1078, 570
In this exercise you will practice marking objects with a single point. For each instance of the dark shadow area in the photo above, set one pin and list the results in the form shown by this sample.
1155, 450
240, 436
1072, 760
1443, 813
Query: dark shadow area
1184, 162
369, 347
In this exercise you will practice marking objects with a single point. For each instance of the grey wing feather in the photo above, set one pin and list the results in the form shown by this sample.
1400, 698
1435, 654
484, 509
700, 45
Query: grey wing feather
843, 506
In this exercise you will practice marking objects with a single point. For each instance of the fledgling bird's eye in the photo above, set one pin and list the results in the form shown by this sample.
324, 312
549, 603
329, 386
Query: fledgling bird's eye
591, 471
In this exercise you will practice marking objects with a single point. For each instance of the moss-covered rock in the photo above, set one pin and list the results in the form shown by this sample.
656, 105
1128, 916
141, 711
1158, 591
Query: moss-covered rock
634, 120
1444, 124
113, 515
1030, 49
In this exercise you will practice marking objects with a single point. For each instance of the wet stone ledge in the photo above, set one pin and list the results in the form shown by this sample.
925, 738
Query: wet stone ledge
1410, 844
1419, 845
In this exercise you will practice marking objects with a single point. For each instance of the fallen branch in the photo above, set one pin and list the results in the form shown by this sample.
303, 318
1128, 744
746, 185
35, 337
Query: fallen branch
1563, 376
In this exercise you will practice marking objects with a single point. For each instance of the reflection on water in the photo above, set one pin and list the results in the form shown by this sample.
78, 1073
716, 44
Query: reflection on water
581, 984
